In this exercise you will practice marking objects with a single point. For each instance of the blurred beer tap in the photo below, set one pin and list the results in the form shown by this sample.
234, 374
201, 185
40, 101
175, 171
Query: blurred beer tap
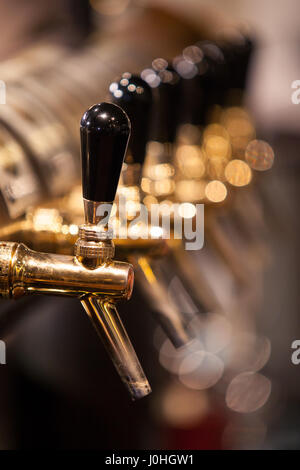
204, 144
195, 154
208, 163
190, 172
202, 70
237, 48
91, 275
162, 185
170, 160
158, 174
134, 95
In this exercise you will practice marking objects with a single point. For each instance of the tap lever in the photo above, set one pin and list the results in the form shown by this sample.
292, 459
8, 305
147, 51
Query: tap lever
104, 131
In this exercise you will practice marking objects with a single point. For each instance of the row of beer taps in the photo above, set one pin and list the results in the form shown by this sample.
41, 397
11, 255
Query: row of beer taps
192, 151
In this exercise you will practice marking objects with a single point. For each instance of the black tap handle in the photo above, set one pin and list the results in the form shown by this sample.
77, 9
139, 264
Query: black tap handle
166, 85
238, 52
205, 81
134, 96
104, 132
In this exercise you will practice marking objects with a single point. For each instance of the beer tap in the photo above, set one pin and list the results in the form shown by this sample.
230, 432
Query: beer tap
91, 275
134, 96
160, 178
205, 82
167, 87
209, 71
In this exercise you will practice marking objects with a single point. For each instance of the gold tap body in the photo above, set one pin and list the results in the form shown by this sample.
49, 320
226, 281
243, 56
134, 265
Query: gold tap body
24, 271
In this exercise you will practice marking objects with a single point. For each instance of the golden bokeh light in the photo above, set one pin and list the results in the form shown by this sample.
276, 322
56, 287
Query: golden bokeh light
217, 146
240, 128
146, 185
159, 171
215, 130
149, 200
216, 191
190, 161
234, 112
238, 173
187, 210
190, 190
163, 187
132, 209
130, 193
47, 219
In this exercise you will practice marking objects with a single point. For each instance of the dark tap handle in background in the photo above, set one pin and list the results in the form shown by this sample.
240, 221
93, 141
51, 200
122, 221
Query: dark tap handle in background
134, 96
204, 74
238, 53
192, 96
104, 131
166, 85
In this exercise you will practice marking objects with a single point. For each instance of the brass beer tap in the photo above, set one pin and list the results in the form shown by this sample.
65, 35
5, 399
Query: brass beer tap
91, 275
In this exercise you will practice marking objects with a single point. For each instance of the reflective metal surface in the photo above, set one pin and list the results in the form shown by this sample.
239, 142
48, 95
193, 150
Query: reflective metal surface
30, 272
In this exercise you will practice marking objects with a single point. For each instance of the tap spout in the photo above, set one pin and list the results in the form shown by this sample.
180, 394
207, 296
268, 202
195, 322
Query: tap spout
109, 327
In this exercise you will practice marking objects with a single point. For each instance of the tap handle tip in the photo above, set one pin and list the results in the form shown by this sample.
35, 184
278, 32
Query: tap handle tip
104, 132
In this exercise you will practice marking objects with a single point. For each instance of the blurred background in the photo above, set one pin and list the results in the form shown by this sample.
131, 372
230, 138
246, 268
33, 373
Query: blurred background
233, 134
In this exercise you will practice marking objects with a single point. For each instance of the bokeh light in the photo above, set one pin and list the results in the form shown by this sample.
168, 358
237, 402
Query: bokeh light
214, 331
187, 210
190, 161
259, 155
170, 357
248, 352
215, 129
190, 190
248, 392
201, 370
182, 407
238, 173
216, 191
217, 146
